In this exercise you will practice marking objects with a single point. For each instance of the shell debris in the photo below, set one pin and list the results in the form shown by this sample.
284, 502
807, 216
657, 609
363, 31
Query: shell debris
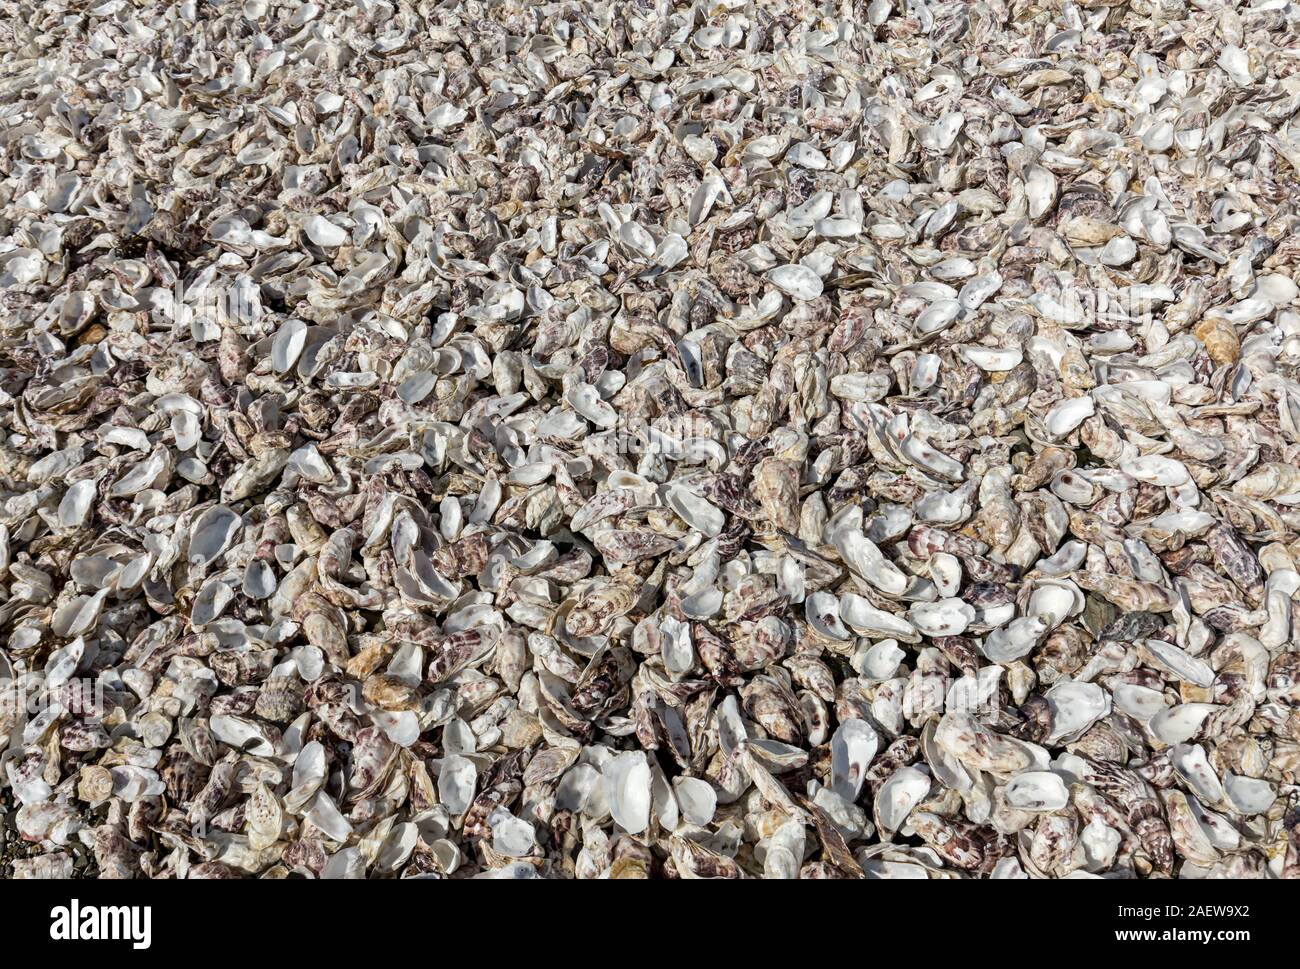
733, 440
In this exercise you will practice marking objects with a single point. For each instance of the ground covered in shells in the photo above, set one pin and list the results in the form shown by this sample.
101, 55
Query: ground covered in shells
620, 440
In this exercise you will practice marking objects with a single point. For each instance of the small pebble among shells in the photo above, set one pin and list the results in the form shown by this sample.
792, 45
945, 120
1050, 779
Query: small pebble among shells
742, 439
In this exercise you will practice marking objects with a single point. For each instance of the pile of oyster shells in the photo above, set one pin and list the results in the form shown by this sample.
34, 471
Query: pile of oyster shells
620, 440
